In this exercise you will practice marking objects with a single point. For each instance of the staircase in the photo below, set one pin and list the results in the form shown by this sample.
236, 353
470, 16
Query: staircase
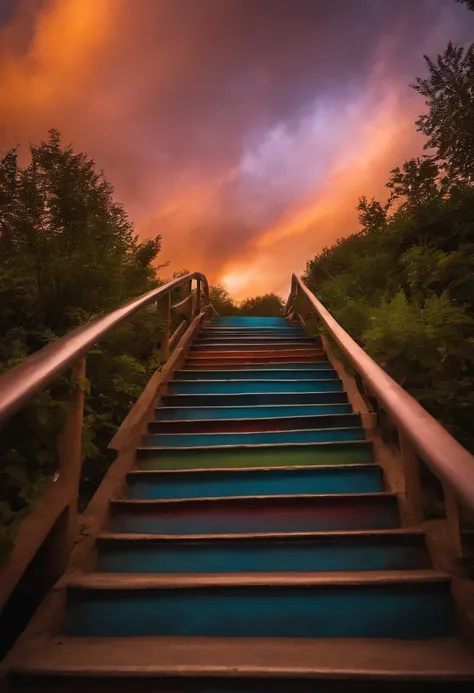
257, 544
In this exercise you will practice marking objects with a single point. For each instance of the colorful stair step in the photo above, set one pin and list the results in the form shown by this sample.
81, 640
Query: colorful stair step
352, 452
327, 551
256, 515
149, 485
348, 607
259, 412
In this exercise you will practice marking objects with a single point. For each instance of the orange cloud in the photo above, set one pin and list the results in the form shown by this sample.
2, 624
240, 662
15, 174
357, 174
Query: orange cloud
244, 136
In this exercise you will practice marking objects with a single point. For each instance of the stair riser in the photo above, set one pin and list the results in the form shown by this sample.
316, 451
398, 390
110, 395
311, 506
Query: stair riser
216, 413
255, 483
252, 386
346, 453
190, 440
254, 347
412, 612
250, 322
266, 354
251, 516
248, 557
257, 339
269, 374
243, 360
255, 399
255, 425
308, 366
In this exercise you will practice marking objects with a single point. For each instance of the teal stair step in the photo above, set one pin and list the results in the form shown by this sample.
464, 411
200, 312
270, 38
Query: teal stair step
407, 605
255, 399
189, 440
259, 412
238, 358
249, 322
356, 452
208, 483
319, 552
258, 374
256, 514
256, 425
246, 339
209, 387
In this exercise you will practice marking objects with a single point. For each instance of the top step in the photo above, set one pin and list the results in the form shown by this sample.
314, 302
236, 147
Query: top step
234, 321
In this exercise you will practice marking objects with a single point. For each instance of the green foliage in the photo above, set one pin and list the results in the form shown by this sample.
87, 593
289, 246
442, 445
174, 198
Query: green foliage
268, 305
449, 123
404, 286
222, 301
67, 253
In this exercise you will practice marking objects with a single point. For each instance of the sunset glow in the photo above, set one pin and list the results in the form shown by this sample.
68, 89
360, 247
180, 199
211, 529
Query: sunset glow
243, 135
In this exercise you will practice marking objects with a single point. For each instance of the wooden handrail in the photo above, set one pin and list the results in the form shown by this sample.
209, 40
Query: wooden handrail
447, 458
20, 383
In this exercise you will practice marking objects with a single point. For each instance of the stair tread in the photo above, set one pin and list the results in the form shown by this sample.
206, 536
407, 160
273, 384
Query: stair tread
146, 581
283, 536
257, 446
246, 470
247, 499
238, 657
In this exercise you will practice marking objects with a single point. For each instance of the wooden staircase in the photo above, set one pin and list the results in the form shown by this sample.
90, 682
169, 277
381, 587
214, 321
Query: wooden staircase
258, 546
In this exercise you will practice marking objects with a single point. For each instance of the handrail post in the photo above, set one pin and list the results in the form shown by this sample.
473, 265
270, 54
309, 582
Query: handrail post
165, 310
189, 304
198, 297
412, 481
453, 520
70, 449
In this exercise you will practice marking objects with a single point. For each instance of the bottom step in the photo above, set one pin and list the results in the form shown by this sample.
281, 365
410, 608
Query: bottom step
236, 665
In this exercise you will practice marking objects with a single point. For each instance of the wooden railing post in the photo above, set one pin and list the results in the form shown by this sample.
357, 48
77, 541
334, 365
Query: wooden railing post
453, 520
70, 450
189, 304
165, 310
411, 473
198, 297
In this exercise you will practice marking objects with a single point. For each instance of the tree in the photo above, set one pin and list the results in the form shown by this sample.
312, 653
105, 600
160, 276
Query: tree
222, 301
67, 252
268, 305
417, 182
372, 215
469, 4
449, 123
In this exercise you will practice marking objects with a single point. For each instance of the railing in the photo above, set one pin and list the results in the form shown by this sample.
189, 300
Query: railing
420, 434
22, 382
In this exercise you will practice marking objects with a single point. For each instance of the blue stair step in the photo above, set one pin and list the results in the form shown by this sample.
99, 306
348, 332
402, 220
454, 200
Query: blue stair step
249, 322
413, 607
269, 412
256, 425
256, 515
332, 551
254, 346
255, 399
260, 374
149, 485
187, 440
209, 387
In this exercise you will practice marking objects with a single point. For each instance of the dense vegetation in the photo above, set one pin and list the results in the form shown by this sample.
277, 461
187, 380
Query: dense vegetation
67, 252
267, 305
404, 286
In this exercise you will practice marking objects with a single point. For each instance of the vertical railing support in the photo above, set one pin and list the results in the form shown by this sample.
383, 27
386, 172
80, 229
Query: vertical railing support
411, 472
70, 449
198, 297
453, 519
189, 304
165, 311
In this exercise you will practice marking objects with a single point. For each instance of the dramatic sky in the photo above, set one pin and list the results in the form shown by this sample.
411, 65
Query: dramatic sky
243, 131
